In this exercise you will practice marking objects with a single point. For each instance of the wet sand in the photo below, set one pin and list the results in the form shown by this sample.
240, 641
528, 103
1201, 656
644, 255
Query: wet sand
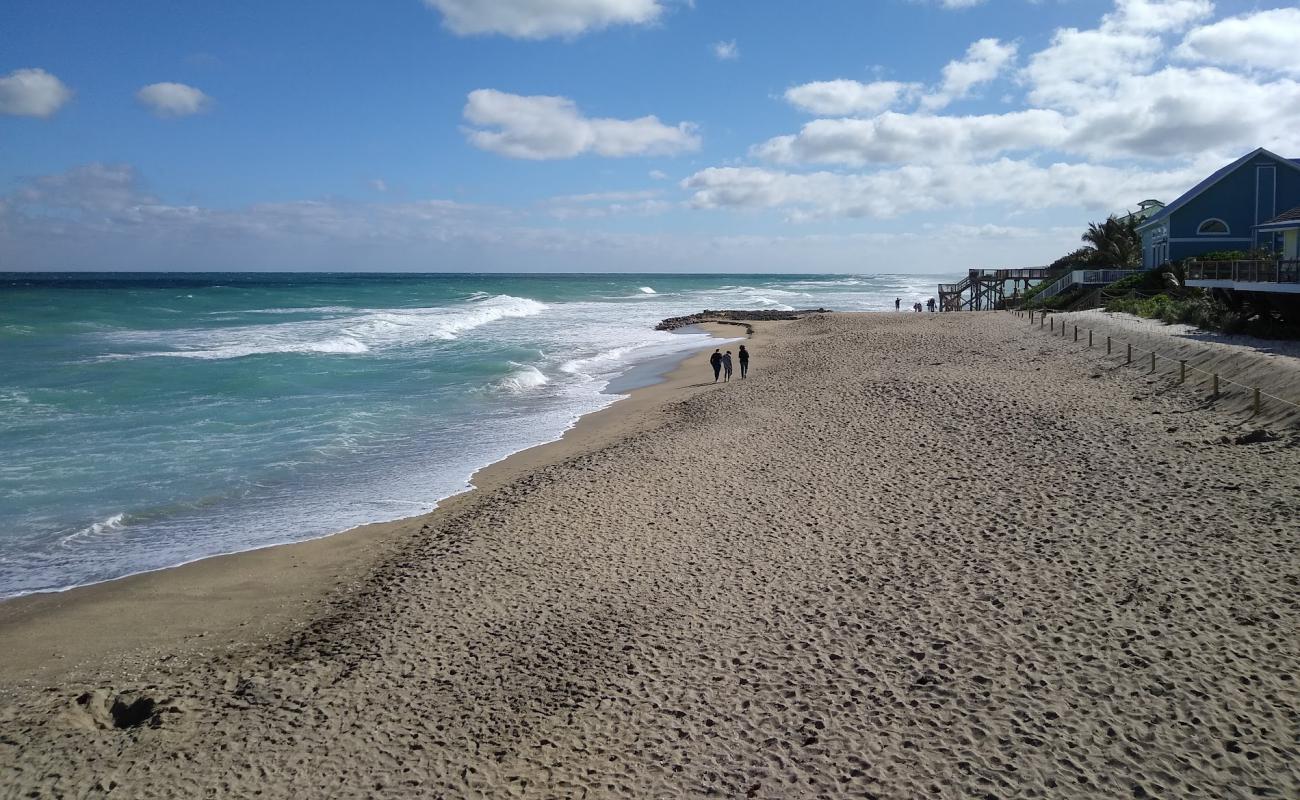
913, 555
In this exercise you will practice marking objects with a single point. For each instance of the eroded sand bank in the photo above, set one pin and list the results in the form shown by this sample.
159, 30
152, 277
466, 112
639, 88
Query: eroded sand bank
914, 555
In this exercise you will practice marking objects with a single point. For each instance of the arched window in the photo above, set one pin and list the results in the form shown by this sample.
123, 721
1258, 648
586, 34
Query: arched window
1213, 227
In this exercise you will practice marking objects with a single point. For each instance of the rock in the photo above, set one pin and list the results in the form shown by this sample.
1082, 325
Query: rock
735, 317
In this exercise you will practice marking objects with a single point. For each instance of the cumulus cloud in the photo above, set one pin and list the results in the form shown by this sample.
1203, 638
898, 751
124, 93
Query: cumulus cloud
1263, 40
913, 188
1098, 94
32, 93
984, 61
1079, 64
726, 51
173, 99
844, 97
541, 19
543, 127
1177, 112
893, 138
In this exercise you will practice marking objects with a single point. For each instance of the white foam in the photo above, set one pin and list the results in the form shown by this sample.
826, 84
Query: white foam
408, 326
343, 345
524, 379
301, 310
369, 330
112, 523
602, 363
647, 290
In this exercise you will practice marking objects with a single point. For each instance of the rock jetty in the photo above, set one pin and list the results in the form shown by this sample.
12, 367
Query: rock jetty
735, 318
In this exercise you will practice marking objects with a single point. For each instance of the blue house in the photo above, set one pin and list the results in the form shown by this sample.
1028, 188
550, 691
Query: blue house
1230, 210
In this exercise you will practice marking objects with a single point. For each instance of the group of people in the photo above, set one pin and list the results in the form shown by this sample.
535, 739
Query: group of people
721, 363
898, 305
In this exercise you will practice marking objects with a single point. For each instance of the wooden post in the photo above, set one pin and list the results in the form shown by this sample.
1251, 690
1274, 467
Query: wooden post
1256, 403
1182, 370
1153, 361
1090, 340
1107, 345
1076, 333
1129, 358
1053, 324
1215, 395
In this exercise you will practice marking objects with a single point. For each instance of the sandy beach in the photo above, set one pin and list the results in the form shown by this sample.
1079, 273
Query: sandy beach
913, 555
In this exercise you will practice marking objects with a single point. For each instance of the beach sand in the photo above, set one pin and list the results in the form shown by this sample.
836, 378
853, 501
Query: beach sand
914, 555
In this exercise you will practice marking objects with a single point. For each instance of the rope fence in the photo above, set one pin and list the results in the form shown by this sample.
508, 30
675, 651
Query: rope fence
1047, 322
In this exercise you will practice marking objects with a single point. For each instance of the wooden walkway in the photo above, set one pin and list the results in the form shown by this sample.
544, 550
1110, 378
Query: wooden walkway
986, 289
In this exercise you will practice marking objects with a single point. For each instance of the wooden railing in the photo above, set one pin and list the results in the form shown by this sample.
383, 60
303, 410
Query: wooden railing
1250, 271
1214, 382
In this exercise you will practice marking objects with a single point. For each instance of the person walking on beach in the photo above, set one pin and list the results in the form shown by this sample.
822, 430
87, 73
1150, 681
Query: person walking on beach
715, 361
726, 367
930, 303
898, 304
743, 355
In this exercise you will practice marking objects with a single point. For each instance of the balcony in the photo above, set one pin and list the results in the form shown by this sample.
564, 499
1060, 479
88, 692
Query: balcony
1258, 275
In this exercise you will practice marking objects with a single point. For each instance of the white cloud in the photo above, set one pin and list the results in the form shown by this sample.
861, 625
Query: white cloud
32, 93
952, 4
1097, 94
1156, 16
1184, 113
378, 184
173, 99
1264, 40
543, 127
843, 97
592, 205
1077, 67
927, 188
101, 188
893, 138
540, 19
658, 174
726, 51
984, 61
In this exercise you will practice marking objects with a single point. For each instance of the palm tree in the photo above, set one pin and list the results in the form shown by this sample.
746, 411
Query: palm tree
1115, 242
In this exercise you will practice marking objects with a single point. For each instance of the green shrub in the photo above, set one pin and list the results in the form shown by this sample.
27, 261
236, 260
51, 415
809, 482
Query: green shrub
1146, 282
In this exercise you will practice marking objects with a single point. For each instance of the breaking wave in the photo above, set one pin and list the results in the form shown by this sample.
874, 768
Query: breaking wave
524, 379
367, 331
95, 528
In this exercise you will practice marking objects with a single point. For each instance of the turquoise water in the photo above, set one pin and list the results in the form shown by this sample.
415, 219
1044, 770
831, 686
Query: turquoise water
148, 420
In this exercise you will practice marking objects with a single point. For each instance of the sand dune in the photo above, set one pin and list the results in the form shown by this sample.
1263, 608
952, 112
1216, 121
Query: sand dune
913, 556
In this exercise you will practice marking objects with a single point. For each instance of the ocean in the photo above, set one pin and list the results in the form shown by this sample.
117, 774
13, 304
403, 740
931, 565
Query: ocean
148, 420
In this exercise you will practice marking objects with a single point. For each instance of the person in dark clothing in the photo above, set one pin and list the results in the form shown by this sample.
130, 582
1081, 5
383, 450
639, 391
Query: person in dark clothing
930, 303
898, 303
726, 367
743, 355
715, 361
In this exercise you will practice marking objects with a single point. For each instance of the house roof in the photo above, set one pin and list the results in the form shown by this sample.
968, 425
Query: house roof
1214, 178
1287, 219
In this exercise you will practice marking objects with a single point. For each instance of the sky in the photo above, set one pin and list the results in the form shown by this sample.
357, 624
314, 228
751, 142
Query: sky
876, 136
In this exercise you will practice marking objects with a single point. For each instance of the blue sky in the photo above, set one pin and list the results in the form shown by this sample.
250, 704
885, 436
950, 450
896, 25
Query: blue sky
594, 135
